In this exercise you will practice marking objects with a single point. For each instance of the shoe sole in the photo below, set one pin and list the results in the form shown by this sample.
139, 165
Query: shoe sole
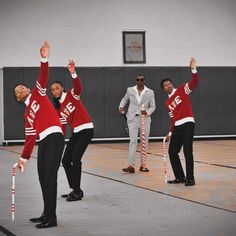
187, 185
53, 225
73, 200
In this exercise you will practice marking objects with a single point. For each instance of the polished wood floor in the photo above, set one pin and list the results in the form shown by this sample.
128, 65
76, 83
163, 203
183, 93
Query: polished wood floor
215, 170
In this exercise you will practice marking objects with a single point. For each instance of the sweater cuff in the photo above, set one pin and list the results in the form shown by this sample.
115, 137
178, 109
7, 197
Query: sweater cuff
44, 60
74, 75
170, 133
23, 159
194, 70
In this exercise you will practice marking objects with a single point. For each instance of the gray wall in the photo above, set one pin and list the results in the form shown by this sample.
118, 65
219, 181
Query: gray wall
90, 31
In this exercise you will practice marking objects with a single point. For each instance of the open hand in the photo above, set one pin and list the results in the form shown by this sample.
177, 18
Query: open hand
71, 66
44, 50
193, 64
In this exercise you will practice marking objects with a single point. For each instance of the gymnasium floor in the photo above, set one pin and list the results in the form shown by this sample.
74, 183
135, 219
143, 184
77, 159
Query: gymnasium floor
128, 204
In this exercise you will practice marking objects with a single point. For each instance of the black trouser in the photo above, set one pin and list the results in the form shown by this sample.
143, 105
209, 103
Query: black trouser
50, 151
72, 157
182, 136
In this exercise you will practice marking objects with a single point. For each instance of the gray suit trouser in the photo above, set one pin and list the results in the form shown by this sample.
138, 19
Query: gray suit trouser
134, 129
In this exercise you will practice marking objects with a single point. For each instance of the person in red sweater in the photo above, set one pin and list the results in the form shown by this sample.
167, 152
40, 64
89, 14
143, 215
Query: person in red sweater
72, 111
182, 126
41, 120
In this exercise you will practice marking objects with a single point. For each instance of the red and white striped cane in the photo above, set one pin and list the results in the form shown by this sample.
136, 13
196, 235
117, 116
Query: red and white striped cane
164, 155
143, 141
13, 192
13, 189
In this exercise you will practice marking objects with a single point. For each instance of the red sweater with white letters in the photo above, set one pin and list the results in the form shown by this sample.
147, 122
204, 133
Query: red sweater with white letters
72, 110
179, 104
41, 118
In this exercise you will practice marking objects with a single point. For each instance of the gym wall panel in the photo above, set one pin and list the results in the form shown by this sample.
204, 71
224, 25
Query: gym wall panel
1, 108
113, 92
226, 100
209, 93
30, 76
94, 98
103, 88
13, 110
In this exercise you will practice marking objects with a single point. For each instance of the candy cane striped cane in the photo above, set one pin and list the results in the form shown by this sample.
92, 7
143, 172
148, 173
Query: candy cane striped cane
143, 141
164, 155
13, 192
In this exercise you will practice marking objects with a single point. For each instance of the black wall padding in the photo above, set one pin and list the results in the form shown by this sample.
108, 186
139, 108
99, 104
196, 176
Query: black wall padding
103, 87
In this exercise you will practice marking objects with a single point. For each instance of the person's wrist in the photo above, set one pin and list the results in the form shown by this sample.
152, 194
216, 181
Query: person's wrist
23, 159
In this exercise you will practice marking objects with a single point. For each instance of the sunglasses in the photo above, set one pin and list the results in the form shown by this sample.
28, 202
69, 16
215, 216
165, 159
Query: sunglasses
139, 80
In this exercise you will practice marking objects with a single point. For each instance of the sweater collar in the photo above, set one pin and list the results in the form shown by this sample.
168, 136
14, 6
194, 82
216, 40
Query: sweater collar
172, 93
63, 96
27, 100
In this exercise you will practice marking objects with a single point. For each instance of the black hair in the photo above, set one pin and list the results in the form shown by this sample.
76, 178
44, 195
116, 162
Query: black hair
141, 75
57, 82
163, 81
56, 100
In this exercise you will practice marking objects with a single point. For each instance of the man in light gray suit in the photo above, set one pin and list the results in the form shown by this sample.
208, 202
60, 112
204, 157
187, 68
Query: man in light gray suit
141, 102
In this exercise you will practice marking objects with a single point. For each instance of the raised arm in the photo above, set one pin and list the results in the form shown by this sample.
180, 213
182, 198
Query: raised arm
42, 81
193, 83
77, 90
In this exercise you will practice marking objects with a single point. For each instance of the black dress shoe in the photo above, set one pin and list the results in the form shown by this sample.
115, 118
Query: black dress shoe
176, 181
129, 169
76, 196
190, 182
71, 193
47, 223
143, 169
38, 219
67, 195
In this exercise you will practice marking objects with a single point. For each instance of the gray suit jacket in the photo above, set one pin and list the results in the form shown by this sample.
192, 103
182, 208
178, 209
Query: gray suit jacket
135, 106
